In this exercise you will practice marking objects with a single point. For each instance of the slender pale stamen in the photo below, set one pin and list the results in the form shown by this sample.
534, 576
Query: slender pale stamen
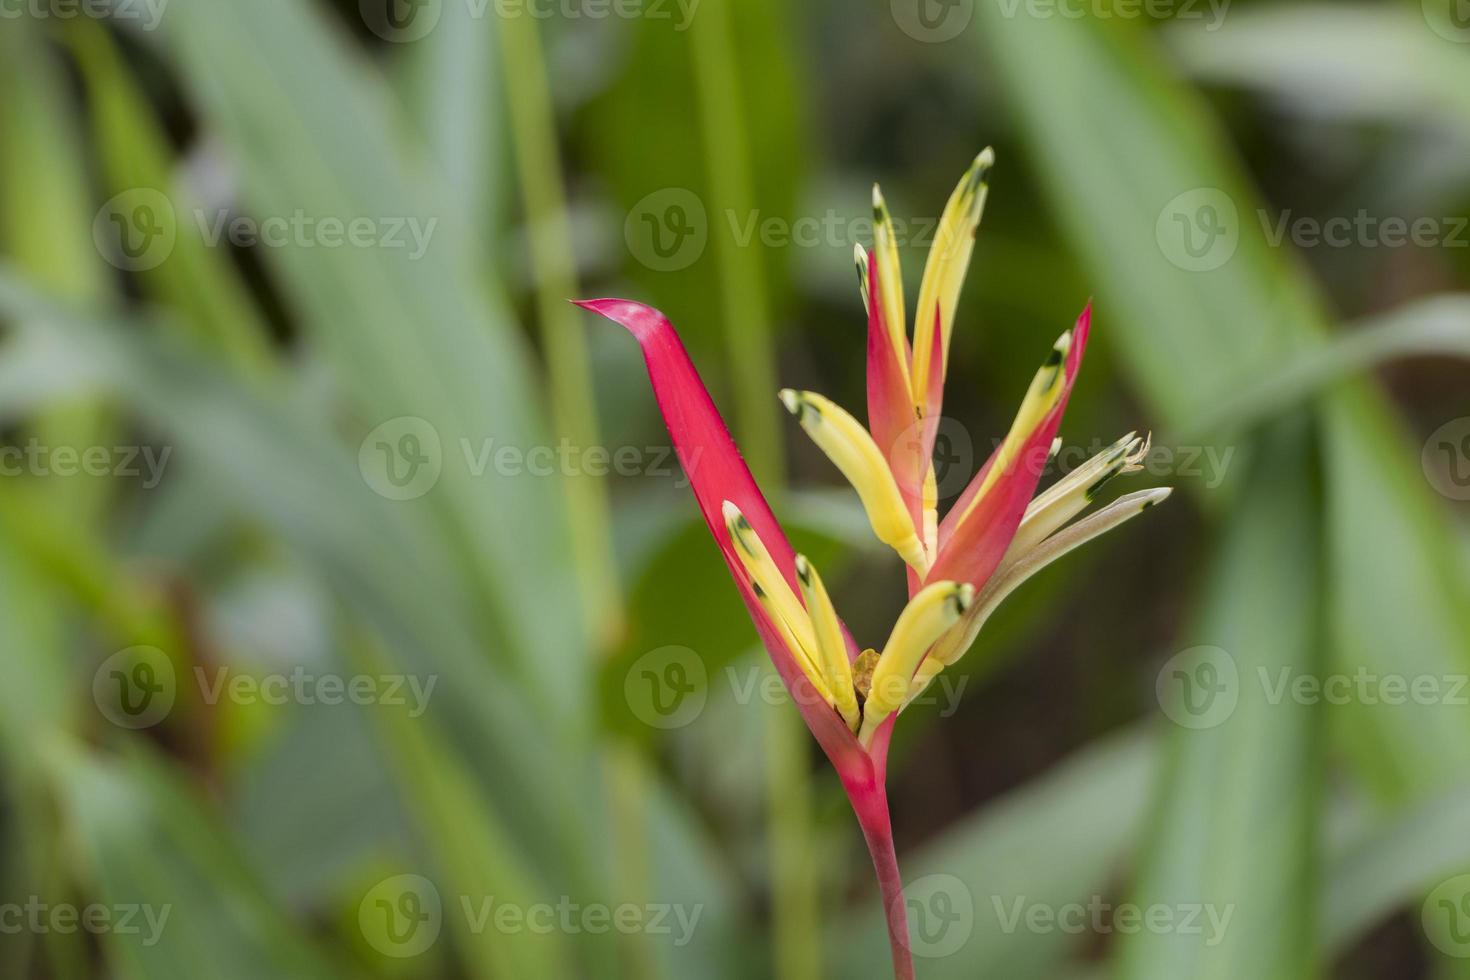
1041, 397
890, 280
929, 614
949, 259
831, 647
860, 259
954, 643
775, 595
1075, 492
848, 444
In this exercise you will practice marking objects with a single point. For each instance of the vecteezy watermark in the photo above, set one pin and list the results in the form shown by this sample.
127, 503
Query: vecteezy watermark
144, 14
405, 21
1450, 19
1198, 687
138, 687
305, 687
1446, 917
302, 230
36, 916
1201, 687
36, 458
1099, 916
1363, 686
1212, 12
403, 458
1446, 459
932, 21
569, 459
668, 688
1364, 230
940, 910
402, 916
667, 230
138, 230
1198, 230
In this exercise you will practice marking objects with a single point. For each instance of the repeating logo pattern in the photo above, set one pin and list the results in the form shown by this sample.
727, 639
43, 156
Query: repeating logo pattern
1446, 917
667, 688
136, 230
941, 915
401, 916
1199, 687
1450, 19
401, 21
668, 229
136, 687
402, 458
1199, 230
932, 21
1446, 459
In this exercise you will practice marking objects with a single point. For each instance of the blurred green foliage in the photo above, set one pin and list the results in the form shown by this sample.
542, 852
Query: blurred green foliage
335, 554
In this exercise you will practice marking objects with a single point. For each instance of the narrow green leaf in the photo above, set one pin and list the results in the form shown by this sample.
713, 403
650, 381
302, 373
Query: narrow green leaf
1234, 834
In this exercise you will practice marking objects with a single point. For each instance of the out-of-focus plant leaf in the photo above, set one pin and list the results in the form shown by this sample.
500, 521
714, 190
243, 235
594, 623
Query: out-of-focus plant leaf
661, 186
1142, 181
1376, 61
1055, 842
411, 328
1439, 325
196, 279
475, 857
449, 79
45, 222
291, 475
1394, 862
146, 843
1234, 833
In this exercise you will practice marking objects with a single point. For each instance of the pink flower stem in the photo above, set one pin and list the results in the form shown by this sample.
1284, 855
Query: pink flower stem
872, 813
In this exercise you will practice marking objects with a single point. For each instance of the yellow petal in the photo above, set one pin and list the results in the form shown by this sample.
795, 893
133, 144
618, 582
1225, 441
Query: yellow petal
848, 444
926, 618
1041, 397
890, 279
944, 272
831, 647
780, 603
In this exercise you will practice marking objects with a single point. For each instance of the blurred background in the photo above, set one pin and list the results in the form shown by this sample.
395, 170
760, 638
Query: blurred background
358, 622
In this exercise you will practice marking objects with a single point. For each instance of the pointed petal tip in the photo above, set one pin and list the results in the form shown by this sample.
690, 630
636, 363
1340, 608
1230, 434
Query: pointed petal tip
964, 596
791, 399
639, 318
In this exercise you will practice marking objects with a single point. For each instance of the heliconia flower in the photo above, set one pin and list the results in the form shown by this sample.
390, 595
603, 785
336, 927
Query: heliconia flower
993, 538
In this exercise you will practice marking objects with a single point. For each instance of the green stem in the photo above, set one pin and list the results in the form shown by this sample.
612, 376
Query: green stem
751, 353
568, 365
